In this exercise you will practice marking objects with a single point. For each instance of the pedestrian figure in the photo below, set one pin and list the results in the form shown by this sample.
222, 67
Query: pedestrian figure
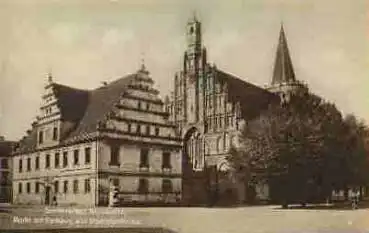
355, 199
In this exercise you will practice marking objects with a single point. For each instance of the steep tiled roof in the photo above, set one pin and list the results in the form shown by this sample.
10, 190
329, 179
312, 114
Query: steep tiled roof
82, 107
252, 98
71, 101
100, 102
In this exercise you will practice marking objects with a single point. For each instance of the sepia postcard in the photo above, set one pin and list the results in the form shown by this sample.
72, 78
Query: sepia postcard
148, 116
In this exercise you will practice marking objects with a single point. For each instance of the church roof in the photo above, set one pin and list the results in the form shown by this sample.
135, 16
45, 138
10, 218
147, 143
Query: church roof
283, 69
252, 99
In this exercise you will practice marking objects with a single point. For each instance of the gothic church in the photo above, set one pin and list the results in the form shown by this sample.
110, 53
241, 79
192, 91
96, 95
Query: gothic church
210, 107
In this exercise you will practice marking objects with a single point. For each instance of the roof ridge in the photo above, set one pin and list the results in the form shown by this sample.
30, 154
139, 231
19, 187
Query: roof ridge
239, 79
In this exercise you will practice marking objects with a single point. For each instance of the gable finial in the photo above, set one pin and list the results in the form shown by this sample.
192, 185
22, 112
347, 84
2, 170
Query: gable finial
143, 67
194, 15
49, 76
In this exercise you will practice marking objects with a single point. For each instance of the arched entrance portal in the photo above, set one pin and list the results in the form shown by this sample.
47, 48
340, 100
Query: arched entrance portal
194, 182
194, 150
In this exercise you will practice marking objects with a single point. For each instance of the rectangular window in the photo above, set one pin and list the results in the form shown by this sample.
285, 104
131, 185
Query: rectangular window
37, 163
40, 137
47, 161
65, 186
166, 160
76, 156
57, 159
87, 155
115, 182
147, 130
28, 186
37, 187
56, 186
144, 157
167, 186
4, 163
29, 164
129, 128
87, 186
20, 187
143, 186
55, 133
138, 129
114, 154
65, 159
157, 130
20, 165
75, 186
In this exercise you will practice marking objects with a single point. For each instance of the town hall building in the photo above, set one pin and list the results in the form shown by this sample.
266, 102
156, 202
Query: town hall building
86, 143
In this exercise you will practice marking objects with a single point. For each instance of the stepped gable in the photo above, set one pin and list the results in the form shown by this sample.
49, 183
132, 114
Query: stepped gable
253, 99
84, 108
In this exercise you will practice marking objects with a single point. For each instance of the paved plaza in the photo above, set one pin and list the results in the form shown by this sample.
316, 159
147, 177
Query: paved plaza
192, 220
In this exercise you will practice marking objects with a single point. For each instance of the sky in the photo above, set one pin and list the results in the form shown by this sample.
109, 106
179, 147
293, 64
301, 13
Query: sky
85, 42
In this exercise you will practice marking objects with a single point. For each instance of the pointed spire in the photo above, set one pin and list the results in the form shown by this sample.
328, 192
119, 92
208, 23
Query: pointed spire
283, 68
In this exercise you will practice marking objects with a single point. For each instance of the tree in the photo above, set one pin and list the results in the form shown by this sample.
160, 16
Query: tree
300, 148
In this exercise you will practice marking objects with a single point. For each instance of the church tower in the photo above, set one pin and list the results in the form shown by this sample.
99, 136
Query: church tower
284, 81
193, 69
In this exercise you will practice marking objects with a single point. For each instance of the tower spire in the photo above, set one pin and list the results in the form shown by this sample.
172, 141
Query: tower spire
283, 68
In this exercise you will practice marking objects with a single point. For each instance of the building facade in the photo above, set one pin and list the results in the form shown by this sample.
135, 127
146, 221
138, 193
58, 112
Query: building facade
5, 170
210, 108
121, 141
86, 143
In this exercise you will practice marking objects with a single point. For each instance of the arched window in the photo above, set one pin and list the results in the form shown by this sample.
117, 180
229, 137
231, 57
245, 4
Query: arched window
195, 149
219, 144
226, 141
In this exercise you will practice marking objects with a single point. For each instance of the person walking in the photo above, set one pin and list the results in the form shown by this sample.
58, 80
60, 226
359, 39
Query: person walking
355, 194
